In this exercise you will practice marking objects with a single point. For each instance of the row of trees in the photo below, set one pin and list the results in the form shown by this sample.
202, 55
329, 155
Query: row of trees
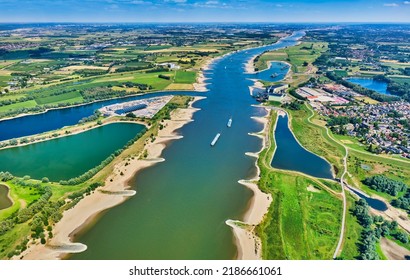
384, 184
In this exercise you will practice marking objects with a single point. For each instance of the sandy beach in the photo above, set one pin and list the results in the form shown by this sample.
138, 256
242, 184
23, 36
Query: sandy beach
115, 191
249, 245
249, 67
200, 84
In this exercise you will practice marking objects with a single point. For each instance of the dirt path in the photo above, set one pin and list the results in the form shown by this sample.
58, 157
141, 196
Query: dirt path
393, 251
342, 184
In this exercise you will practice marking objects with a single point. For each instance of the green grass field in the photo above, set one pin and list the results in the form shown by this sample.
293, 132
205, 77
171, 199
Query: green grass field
352, 233
158, 47
4, 80
34, 66
71, 97
185, 77
45, 94
11, 96
306, 52
25, 104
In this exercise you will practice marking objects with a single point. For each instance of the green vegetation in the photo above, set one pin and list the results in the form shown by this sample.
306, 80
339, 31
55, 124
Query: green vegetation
185, 77
300, 57
70, 97
373, 229
382, 183
300, 224
403, 202
353, 231
315, 138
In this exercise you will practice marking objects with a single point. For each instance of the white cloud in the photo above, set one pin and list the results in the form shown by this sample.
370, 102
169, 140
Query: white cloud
279, 5
212, 3
391, 5
406, 2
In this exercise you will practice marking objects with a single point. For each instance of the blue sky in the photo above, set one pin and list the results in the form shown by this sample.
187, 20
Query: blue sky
204, 11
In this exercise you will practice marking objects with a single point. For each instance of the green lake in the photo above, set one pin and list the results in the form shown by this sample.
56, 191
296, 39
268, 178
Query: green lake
68, 157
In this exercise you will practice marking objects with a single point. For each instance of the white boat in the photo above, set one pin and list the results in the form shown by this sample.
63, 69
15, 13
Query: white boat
229, 124
215, 139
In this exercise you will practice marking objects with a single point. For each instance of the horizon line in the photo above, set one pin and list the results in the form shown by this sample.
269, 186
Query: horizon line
206, 22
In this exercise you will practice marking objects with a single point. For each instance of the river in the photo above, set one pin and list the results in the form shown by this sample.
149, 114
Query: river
181, 205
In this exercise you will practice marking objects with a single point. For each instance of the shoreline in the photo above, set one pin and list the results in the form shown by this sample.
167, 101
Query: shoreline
115, 191
248, 243
74, 131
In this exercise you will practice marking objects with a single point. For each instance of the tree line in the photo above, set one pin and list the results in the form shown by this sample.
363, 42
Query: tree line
384, 184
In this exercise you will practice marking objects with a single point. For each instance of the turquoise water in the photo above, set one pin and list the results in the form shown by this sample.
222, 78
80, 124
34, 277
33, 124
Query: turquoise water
378, 86
5, 201
67, 157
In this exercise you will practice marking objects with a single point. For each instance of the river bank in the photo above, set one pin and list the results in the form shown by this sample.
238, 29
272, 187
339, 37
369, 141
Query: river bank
249, 245
115, 191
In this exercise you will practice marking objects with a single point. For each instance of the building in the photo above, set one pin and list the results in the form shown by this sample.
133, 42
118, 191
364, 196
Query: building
278, 89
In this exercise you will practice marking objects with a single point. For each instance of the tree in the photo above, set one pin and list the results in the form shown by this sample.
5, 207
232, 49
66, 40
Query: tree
402, 237
131, 115
45, 180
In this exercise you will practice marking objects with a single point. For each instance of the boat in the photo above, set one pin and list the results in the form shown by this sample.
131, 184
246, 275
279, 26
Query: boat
215, 139
229, 124
274, 75
284, 67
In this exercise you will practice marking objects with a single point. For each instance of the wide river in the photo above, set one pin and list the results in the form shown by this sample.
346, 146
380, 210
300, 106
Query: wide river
181, 205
